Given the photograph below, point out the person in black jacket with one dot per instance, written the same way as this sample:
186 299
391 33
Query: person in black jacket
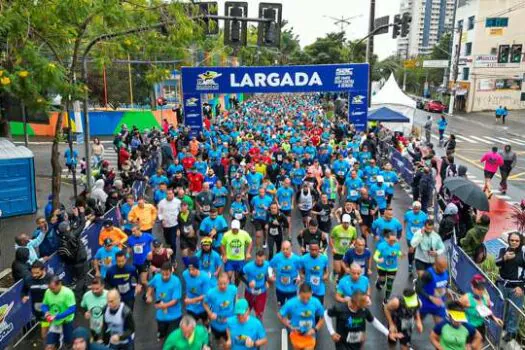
312 234
72 250
426 188
450 145
20 267
418 173
448 223
277 224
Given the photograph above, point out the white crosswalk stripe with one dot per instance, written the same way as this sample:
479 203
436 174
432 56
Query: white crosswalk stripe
518 140
494 139
480 139
466 139
511 141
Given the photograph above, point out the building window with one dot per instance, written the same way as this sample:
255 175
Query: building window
460 24
466 73
471 22
468 49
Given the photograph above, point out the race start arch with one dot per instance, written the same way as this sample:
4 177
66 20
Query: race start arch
351 78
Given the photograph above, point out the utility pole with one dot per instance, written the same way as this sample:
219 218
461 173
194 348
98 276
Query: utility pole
455 72
370 47
446 76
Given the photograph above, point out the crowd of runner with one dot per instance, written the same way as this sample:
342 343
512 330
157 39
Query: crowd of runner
224 202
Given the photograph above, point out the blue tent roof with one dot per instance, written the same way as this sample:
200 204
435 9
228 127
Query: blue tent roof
385 114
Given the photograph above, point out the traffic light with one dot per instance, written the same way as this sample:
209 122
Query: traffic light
269 33
211 26
235 31
161 101
503 54
405 24
516 52
396 29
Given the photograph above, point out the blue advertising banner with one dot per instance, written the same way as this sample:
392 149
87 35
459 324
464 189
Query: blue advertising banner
462 268
403 166
351 78
193 113
14 314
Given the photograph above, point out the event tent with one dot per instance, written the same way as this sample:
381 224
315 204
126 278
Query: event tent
387 115
392 97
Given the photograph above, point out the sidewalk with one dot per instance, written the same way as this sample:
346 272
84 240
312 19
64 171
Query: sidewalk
514 123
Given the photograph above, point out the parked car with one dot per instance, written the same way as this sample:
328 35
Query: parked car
434 106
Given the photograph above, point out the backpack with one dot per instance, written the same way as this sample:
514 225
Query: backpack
480 254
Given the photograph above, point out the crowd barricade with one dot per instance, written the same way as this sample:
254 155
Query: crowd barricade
512 307
403 166
16 319
462 268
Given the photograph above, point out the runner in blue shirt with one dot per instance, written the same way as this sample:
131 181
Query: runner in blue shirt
350 283
197 284
210 261
314 270
360 255
124 211
386 256
260 205
158 178
352 187
139 246
378 192
243 330
165 291
391 179
285 200
386 222
105 258
214 226
257 279
285 266
254 180
302 316
219 303
442 126
220 196
414 221
297 175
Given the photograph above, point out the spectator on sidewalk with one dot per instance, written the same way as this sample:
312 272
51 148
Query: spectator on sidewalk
428 129
504 115
511 281
426 189
509 162
475 236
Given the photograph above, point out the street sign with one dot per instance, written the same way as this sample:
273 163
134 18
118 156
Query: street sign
80 139
379 22
435 64
409 64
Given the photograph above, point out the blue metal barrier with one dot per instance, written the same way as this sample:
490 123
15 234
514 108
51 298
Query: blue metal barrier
403 166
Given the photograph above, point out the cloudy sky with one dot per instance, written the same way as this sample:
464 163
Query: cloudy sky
308 19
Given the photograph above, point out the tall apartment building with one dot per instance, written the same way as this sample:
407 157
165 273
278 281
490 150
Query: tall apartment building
484 83
430 19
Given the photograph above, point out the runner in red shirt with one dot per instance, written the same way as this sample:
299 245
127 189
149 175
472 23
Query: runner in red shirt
196 180
188 161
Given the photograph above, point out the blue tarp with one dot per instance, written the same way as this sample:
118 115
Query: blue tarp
385 114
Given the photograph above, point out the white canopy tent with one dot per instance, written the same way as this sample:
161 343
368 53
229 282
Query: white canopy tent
391 96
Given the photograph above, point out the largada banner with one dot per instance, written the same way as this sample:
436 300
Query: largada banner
351 78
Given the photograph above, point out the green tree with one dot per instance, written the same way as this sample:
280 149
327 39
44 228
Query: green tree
329 49
46 39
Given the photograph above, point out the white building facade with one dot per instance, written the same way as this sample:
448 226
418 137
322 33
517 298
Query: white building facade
488 26
430 20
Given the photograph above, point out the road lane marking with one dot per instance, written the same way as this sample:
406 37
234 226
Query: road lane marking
511 141
466 139
493 139
480 139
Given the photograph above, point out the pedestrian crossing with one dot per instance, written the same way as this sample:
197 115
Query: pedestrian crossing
487 140
109 154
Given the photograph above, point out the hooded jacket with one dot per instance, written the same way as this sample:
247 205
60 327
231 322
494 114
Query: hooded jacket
473 239
81 332
20 267
98 193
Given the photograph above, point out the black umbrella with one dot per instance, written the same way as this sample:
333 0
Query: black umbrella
468 192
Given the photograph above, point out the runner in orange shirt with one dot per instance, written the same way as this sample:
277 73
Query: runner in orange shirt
117 236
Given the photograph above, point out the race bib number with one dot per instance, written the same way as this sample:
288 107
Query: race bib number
390 260
483 311
440 292
380 193
354 337
325 218
315 280
284 204
340 173
256 291
187 229
274 231
285 280
253 187
124 288
138 249
305 324
238 216
407 325
353 193
57 329
96 324
205 208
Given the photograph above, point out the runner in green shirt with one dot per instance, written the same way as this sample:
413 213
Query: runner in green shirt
94 302
342 238
59 308
236 247
189 336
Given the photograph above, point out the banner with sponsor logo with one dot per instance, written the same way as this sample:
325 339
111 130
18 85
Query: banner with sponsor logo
351 78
